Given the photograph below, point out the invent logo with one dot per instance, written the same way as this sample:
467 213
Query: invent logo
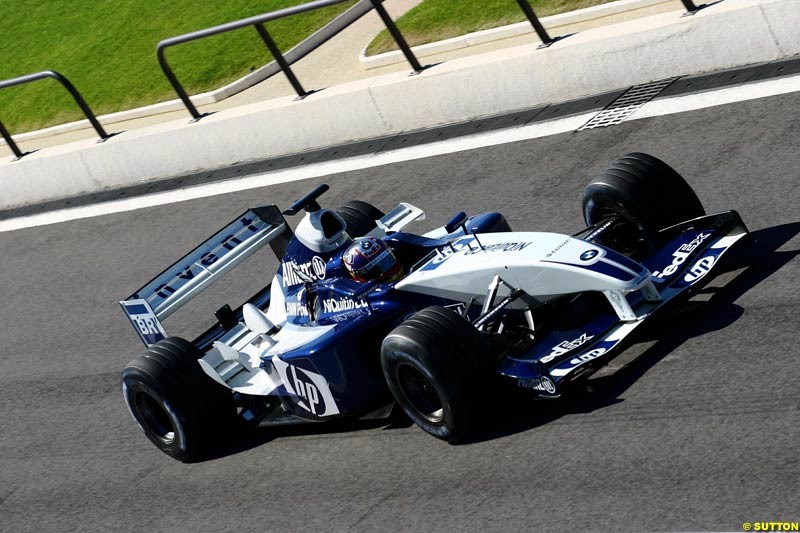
227 244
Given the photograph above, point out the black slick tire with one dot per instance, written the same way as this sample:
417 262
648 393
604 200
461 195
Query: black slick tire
645 193
360 217
437 366
180 409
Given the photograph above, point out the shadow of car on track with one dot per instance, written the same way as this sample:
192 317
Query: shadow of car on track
716 309
748 266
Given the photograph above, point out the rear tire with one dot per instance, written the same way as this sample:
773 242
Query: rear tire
360 217
646 195
437 366
180 409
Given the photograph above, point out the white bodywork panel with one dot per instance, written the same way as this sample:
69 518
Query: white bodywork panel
234 361
544 265
397 219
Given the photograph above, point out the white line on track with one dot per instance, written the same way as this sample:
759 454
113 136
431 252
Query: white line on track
666 106
728 95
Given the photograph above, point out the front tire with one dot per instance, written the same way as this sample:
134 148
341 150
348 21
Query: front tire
180 409
437 366
645 195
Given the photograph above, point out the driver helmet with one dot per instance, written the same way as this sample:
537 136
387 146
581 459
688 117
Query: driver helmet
369 258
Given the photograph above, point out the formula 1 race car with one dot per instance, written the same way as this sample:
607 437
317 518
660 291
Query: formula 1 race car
362 315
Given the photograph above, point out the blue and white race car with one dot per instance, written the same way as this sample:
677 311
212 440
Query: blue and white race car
363 315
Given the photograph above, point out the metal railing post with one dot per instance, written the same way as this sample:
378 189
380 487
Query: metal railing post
173 80
10 142
534 20
396 35
690 6
276 53
82 104
87 111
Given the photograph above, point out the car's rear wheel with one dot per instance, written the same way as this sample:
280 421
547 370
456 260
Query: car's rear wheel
436 365
643 195
180 409
360 217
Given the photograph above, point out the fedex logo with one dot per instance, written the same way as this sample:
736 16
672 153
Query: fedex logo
680 255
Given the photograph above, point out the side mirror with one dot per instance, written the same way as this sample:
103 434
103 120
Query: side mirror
307 202
456 222
255 320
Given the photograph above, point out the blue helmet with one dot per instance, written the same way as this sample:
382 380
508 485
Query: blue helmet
369 258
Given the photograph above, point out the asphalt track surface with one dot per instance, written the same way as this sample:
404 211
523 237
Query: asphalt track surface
697 427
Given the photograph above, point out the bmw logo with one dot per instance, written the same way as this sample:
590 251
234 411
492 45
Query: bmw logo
588 255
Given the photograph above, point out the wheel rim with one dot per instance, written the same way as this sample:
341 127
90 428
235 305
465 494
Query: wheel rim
420 393
154 417
628 236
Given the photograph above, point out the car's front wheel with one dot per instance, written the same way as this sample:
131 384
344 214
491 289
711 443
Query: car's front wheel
643 195
180 409
436 365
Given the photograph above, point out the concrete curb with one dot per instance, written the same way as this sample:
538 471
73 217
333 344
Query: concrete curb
590 62
512 30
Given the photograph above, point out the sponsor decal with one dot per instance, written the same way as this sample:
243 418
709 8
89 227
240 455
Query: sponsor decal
680 255
542 384
144 320
588 356
446 252
318 266
312 390
296 309
700 269
566 346
588 255
557 248
226 244
314 269
499 247
466 245
338 305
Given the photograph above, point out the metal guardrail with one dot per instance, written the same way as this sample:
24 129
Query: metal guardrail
258 22
87 112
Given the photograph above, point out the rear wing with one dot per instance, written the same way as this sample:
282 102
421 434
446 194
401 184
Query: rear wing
197 270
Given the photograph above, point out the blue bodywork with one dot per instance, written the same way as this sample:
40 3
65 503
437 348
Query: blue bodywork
348 356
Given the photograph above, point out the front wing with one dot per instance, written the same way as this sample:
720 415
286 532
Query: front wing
692 251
